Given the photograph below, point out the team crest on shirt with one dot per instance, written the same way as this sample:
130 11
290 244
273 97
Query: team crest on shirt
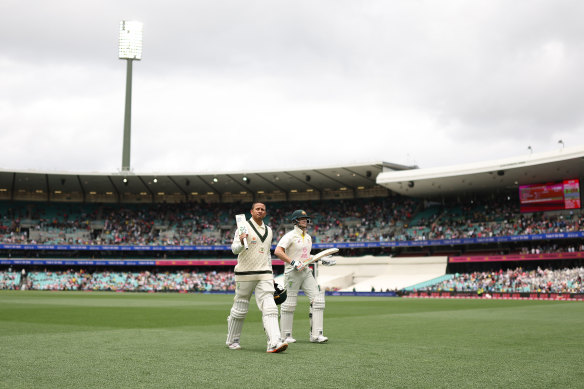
253 240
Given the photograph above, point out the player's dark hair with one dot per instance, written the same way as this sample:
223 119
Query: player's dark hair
257 202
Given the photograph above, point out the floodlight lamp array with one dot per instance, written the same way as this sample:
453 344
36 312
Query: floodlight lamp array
130 43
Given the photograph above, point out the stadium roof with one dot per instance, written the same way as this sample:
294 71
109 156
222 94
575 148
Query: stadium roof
334 178
496 175
503 174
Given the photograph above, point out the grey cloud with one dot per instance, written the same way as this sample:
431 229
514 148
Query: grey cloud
484 72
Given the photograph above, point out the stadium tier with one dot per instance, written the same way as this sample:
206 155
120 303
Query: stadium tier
379 222
138 247
518 280
133 228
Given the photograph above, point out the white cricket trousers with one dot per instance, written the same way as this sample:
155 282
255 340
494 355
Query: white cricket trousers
264 296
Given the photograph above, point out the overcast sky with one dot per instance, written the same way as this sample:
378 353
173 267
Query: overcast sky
231 85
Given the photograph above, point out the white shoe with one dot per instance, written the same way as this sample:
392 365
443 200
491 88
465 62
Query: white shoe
289 340
234 346
278 348
318 339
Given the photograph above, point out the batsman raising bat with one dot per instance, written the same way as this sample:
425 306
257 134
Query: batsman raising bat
294 249
253 272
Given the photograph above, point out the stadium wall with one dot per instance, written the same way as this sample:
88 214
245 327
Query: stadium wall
369 273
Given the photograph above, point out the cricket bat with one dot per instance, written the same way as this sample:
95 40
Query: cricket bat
242 226
322 254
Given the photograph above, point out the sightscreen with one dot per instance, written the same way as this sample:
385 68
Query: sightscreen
550 196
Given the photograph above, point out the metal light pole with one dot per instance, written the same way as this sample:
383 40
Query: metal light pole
130 49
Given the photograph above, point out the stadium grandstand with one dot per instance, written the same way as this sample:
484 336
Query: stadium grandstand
509 228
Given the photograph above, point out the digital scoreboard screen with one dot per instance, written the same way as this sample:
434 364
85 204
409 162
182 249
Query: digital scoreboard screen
550 197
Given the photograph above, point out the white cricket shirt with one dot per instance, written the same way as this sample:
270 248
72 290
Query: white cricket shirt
297 245
254 263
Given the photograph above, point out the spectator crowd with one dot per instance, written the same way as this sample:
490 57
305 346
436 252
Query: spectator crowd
358 220
567 280
142 281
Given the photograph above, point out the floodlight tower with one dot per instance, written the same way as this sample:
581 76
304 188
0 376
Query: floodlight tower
130 49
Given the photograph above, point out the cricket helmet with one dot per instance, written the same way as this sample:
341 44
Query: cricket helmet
298 214
280 294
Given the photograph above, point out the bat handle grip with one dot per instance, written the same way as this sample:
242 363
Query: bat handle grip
245 243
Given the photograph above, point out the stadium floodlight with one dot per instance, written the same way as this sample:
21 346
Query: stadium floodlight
130 40
130 49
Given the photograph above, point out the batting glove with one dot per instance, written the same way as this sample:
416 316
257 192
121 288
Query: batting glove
298 265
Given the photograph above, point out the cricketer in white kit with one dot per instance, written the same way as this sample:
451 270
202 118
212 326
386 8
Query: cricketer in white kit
294 249
253 272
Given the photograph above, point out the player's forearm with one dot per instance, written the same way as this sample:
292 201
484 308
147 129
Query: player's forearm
281 254
236 246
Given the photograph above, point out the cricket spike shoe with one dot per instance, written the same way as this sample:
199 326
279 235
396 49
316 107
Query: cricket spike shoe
289 340
234 346
278 348
318 339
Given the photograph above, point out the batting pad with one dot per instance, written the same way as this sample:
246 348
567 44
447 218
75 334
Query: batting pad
272 329
318 302
287 315
317 323
235 321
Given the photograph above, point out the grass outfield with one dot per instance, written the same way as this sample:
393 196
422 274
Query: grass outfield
114 340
